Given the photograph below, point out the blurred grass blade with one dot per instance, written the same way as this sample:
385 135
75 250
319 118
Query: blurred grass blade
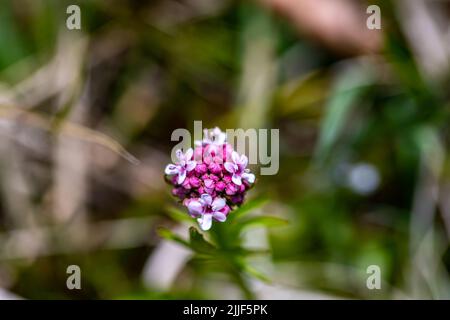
178 215
169 235
255 273
67 128
351 84
264 221
247 208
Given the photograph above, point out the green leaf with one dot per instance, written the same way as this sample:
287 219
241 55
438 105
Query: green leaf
251 252
255 273
169 235
178 215
247 208
198 242
267 221
304 95
350 86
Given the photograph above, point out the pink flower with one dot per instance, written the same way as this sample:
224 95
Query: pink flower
238 169
205 209
205 183
183 165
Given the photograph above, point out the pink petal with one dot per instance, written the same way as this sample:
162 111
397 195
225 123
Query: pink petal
219 216
179 155
209 183
218 204
206 198
235 157
190 165
195 208
188 155
181 176
230 167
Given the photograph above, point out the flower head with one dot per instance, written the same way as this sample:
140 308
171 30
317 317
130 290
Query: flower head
209 186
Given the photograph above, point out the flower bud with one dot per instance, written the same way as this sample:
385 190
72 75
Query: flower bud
230 189
194 182
237 199
214 168
201 168
209 184
220 186
186 184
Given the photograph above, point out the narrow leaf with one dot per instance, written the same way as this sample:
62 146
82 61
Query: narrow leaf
247 207
198 242
169 235
267 221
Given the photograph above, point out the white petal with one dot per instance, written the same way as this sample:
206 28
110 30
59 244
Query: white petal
206 198
223 137
219 216
195 208
181 176
179 155
236 179
235 157
243 161
218 204
205 222
190 165
219 136
188 154
230 167
206 139
250 177
171 169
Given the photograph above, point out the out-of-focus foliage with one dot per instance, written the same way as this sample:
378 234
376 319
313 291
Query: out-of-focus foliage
364 170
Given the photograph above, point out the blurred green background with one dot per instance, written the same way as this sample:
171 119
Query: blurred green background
364 173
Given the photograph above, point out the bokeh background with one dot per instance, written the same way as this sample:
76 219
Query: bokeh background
86 118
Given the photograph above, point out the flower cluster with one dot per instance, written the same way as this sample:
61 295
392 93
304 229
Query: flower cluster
211 179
